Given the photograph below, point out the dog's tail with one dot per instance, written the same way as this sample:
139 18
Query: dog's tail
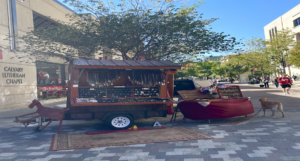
280 107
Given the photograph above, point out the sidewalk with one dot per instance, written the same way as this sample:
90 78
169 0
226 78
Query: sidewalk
255 139
24 110
297 84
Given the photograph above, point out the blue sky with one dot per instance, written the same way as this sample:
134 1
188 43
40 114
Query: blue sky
243 19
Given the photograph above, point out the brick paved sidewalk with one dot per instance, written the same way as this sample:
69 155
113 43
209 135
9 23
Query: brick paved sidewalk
266 139
260 138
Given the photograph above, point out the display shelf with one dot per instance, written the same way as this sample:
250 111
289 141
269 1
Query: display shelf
118 86
121 103
230 92
126 91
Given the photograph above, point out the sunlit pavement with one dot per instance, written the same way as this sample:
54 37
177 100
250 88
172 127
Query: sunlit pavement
258 138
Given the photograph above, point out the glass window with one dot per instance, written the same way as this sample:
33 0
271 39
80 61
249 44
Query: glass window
297 22
50 74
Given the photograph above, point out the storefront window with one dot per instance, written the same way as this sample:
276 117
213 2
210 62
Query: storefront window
50 74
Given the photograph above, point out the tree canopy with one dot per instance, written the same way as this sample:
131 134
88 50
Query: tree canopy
130 30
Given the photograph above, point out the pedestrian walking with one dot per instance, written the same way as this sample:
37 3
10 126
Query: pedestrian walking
294 77
285 82
276 82
258 79
266 82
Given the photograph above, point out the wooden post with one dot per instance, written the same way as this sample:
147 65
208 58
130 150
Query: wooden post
60 125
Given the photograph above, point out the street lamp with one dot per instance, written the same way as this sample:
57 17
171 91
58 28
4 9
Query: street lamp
272 59
251 71
229 71
282 63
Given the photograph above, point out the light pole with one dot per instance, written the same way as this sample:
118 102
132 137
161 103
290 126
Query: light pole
251 71
282 61
229 71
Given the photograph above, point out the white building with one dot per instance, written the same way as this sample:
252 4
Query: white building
289 20
213 58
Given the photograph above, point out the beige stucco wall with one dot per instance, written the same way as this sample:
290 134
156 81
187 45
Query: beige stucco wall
14 95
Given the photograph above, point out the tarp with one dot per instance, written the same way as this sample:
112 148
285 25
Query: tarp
201 83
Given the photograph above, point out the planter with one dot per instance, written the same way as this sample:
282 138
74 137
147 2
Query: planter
261 86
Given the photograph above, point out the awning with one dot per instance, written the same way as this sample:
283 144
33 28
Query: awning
127 64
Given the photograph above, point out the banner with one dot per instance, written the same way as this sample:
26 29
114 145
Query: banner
244 78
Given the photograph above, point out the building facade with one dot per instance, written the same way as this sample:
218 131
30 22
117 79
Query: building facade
215 58
18 77
289 20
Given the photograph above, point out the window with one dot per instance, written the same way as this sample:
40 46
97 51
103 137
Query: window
297 22
276 30
270 33
50 74
40 21
273 34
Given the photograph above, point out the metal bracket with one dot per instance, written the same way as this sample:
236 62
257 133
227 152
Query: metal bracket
77 81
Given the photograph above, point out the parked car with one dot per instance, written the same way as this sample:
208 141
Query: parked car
185 84
221 80
189 84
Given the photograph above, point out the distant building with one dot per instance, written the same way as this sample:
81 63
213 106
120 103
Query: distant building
214 58
289 20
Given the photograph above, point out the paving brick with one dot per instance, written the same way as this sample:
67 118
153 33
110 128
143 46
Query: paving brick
254 140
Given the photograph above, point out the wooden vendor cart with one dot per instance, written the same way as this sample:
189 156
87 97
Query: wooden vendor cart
119 91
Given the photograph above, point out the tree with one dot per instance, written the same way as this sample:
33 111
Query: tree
257 55
191 70
129 30
294 56
260 54
280 46
218 71
206 67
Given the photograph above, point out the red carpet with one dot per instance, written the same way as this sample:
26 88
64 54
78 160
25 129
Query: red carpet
125 130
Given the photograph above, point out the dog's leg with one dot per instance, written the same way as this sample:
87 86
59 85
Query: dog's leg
281 109
273 111
264 112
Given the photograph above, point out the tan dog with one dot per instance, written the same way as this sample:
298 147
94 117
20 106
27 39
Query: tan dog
273 105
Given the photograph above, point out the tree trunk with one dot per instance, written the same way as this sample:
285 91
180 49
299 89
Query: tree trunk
124 56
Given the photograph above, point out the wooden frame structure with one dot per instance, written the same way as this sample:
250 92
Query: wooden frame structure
79 70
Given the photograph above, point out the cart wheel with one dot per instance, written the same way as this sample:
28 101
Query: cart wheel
120 121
